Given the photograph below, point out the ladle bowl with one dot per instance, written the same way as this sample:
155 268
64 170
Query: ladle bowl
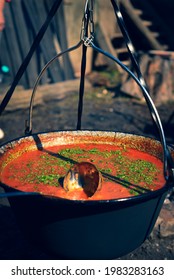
79 229
85 176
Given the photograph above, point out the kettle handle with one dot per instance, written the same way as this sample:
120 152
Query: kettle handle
88 42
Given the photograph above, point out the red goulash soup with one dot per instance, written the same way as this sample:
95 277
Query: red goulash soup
126 172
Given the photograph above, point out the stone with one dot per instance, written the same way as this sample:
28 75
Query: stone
165 222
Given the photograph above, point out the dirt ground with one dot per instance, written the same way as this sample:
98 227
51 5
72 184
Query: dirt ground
56 109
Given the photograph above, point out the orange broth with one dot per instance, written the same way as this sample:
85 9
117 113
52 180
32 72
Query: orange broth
126 172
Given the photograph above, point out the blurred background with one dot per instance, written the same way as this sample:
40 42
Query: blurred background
150 25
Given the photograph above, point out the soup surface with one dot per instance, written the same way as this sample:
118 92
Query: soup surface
126 172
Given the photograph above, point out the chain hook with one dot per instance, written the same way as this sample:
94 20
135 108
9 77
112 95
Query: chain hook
88 23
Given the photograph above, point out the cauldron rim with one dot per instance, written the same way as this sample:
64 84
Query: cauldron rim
124 201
